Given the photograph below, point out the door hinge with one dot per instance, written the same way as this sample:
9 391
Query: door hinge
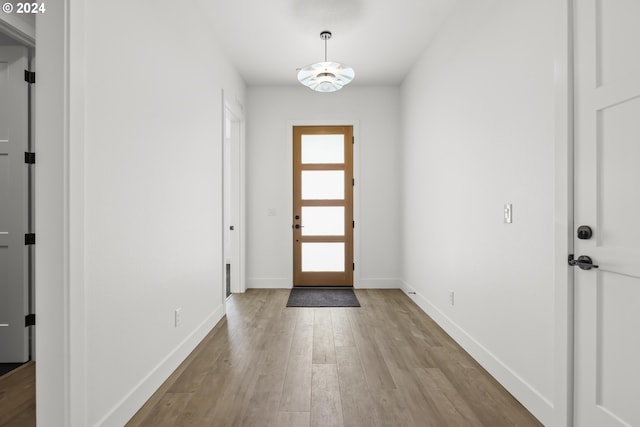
30 158
29 76
30 239
353 224
29 320
353 182
353 139
354 266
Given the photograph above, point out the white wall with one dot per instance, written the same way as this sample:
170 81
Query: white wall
148 205
271 113
478 121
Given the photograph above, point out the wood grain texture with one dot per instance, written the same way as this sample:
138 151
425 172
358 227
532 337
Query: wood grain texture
326 405
383 364
323 345
293 419
18 397
296 392
358 406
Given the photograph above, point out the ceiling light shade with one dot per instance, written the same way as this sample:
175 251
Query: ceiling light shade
326 76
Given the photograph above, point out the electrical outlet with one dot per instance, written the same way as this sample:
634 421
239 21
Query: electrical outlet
451 298
177 317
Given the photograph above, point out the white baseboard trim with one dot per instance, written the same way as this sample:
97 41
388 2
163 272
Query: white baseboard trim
137 397
378 284
535 402
269 283
285 283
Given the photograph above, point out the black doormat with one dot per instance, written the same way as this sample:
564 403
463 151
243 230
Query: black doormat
322 297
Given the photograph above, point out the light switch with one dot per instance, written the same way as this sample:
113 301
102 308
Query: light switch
508 213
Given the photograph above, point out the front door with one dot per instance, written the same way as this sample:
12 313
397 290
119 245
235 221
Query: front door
14 205
607 200
323 206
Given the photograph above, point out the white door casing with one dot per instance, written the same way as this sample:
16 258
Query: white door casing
232 190
607 199
14 205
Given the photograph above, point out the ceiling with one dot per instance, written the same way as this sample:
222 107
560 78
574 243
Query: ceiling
267 40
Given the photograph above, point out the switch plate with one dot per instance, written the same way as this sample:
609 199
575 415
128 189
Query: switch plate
508 213
177 317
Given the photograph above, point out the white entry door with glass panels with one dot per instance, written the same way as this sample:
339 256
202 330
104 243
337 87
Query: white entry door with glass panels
323 206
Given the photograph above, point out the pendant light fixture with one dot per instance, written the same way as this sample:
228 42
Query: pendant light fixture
326 76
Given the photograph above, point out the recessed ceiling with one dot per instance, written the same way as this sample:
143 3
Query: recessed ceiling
268 40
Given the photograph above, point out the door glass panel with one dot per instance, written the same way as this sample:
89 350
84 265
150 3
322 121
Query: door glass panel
323 257
323 220
322 185
322 149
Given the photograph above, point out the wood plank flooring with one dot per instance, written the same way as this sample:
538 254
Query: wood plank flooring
18 397
383 364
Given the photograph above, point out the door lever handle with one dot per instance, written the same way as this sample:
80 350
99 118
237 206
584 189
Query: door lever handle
584 262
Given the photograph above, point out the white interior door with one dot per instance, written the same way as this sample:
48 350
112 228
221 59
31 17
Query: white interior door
14 205
607 191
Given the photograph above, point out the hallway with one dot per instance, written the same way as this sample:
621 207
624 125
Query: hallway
384 364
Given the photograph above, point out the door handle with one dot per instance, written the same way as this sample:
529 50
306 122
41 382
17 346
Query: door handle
584 232
584 262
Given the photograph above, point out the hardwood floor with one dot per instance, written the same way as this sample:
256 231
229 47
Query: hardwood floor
18 397
383 364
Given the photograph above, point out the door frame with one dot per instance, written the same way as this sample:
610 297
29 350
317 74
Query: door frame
563 358
59 118
237 116
328 278
356 188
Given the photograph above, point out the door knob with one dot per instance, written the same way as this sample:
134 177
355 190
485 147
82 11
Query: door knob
584 232
298 226
583 261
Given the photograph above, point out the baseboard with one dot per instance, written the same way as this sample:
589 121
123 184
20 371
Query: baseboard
378 284
269 283
536 403
285 283
136 398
